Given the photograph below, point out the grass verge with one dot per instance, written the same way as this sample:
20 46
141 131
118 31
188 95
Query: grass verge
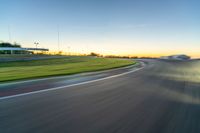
20 70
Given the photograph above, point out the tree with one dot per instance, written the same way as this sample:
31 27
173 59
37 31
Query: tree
93 54
7 44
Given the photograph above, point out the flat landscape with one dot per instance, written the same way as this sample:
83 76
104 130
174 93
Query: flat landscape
161 97
100 66
29 69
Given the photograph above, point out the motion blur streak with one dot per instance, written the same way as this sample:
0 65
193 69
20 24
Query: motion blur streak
164 97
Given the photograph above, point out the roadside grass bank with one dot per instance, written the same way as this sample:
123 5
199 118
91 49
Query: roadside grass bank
26 57
21 70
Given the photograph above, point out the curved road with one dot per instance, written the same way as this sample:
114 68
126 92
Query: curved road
163 97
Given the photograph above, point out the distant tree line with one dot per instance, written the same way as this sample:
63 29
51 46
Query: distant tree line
110 56
118 56
7 44
94 54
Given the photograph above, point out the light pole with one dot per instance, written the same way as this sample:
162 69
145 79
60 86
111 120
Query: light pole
58 38
9 34
36 44
68 49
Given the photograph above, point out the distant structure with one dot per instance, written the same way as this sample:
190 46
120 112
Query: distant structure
8 48
176 57
19 50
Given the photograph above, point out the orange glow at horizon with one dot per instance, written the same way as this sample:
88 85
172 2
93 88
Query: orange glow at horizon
156 55
139 49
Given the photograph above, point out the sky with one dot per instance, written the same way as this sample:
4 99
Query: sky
120 27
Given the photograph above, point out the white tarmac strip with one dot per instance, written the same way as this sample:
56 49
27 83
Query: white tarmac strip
66 86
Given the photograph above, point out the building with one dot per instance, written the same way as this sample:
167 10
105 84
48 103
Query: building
176 57
19 50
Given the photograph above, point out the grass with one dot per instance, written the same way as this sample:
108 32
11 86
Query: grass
20 70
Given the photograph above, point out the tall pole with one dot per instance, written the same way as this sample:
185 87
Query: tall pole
68 50
9 34
36 44
58 38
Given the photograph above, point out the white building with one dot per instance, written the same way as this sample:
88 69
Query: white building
12 50
176 57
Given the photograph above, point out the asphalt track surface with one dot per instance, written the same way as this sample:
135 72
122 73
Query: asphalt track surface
163 97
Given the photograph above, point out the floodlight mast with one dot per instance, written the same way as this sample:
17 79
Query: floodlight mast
9 34
58 38
36 44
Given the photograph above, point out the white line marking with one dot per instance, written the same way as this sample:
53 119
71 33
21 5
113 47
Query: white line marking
66 86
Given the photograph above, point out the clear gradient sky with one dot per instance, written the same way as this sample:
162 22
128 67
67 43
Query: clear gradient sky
125 27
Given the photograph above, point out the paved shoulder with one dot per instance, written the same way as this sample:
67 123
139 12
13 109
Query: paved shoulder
52 83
